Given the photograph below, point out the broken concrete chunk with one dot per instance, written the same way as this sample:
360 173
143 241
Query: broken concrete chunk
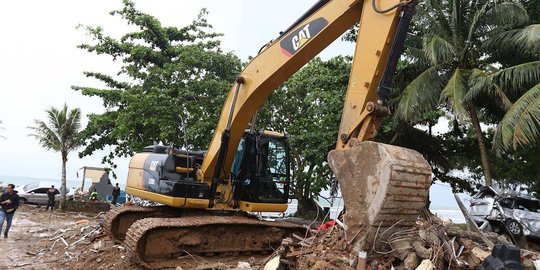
480 253
476 256
101 245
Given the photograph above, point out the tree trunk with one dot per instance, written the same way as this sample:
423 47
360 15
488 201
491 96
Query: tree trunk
306 207
481 145
63 187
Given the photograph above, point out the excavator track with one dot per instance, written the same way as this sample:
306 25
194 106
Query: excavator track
158 239
119 219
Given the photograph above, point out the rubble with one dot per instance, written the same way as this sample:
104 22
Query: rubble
431 244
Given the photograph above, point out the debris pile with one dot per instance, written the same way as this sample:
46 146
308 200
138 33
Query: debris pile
65 240
431 244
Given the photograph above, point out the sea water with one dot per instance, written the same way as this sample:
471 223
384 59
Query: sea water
21 181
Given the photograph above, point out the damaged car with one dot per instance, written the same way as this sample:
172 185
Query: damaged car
510 212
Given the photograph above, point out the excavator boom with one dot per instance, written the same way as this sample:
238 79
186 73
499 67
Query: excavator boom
284 56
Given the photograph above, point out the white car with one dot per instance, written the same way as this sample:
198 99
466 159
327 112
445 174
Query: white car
512 212
36 193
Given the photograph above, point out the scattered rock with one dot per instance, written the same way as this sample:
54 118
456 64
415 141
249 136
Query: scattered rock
426 265
421 250
82 221
120 247
214 266
320 265
476 256
243 265
273 264
412 261
401 248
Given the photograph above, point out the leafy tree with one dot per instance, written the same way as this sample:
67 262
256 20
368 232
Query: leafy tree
308 106
456 67
520 127
170 88
514 169
60 133
533 8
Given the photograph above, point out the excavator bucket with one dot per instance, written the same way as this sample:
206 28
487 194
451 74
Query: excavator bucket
384 188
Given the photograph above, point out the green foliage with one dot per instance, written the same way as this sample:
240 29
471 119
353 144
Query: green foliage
520 126
518 168
454 93
460 72
446 153
308 106
420 96
60 132
515 46
170 88
452 47
533 9
510 169
463 52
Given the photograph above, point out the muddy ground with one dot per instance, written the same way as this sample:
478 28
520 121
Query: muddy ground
36 241
70 240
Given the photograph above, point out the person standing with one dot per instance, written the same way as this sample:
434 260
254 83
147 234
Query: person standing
115 194
51 193
9 201
93 195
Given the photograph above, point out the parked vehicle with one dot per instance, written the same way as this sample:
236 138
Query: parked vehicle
511 212
36 193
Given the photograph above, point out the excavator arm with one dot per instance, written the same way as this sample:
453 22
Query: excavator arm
383 25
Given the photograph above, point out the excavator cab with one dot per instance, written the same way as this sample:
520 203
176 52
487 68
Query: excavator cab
261 168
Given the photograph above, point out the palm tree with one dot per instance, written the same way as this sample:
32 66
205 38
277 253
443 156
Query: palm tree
60 133
448 35
520 126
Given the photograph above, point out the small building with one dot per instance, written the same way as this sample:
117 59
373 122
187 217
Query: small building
98 178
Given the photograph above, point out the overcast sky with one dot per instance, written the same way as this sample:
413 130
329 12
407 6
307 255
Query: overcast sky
40 62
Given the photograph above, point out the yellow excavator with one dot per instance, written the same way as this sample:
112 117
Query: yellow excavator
208 194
